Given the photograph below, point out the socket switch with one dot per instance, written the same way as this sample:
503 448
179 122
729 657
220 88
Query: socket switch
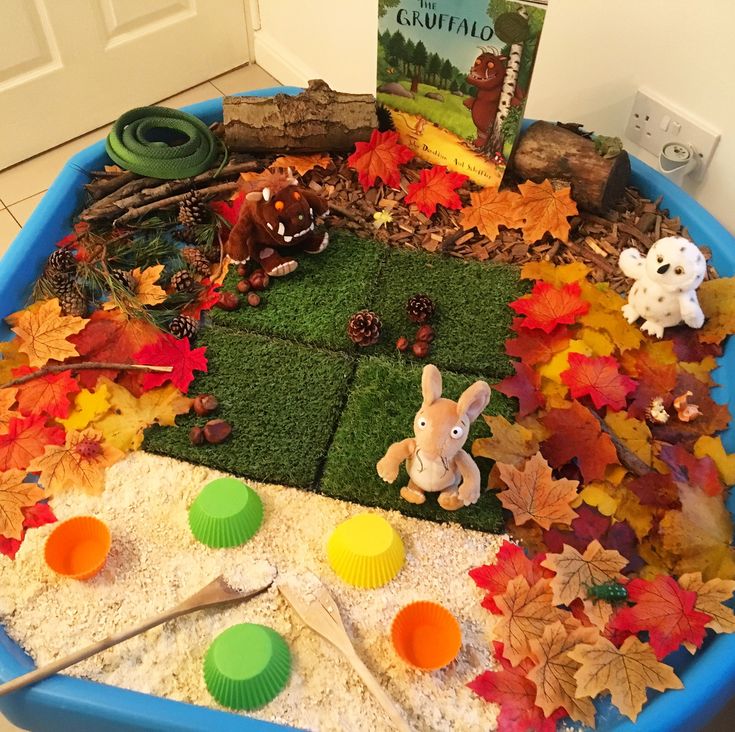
654 123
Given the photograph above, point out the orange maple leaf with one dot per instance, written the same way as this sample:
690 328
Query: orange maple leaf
79 463
625 672
545 209
7 400
379 158
24 439
534 495
599 379
14 496
43 332
554 672
49 394
548 306
576 572
435 186
302 163
489 209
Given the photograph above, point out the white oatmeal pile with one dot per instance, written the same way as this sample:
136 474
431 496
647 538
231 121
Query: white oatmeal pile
155 563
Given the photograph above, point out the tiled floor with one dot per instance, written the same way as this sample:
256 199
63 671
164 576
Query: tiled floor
22 186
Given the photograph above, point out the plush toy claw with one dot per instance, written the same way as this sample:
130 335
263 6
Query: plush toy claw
666 281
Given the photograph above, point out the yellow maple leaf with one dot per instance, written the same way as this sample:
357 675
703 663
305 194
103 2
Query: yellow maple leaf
624 335
7 400
597 495
15 495
619 502
559 362
510 443
554 672
79 463
490 209
534 495
302 163
598 342
717 300
713 447
701 369
43 332
710 598
576 573
545 209
88 406
525 611
633 433
625 672
557 275
146 289
11 359
124 425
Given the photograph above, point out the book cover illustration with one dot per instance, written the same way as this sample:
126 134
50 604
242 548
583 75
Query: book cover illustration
454 75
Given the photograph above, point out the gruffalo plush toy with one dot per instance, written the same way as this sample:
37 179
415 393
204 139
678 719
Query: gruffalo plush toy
274 222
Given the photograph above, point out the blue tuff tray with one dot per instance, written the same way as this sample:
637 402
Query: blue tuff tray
62 702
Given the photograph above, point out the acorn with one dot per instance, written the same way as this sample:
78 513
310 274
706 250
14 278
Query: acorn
242 270
425 333
402 344
216 431
205 404
228 301
196 436
420 349
253 299
243 286
259 280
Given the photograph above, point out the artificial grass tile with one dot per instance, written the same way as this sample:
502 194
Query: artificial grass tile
383 400
472 316
313 304
282 400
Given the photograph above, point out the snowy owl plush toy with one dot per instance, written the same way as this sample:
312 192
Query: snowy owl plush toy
665 286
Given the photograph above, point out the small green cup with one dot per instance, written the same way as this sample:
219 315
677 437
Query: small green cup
247 666
226 513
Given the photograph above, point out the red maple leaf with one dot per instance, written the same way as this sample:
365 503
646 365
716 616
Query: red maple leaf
548 306
576 435
37 515
648 370
176 352
25 439
697 472
9 547
665 611
207 299
534 346
49 394
379 158
510 561
599 379
435 186
229 210
525 387
516 696
656 489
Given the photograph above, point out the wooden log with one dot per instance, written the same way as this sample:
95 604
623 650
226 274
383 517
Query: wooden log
549 151
317 120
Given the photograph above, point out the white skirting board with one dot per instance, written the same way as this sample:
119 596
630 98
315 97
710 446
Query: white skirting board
275 58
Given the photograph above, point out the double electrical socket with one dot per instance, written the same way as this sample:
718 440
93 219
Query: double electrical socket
654 123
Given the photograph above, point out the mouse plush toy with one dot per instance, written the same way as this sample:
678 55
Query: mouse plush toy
666 281
274 222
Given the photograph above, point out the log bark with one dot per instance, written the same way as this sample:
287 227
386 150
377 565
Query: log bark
549 151
317 120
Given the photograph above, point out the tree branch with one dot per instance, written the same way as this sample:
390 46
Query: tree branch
84 366
627 457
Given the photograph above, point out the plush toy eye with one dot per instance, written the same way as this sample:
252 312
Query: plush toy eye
457 431
279 205
421 423
301 217
679 270
296 196
659 259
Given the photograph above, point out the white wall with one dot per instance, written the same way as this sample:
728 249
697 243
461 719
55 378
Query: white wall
594 55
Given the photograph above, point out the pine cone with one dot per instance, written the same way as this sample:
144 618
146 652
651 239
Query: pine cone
72 303
182 281
58 280
182 326
62 260
196 260
192 209
420 308
63 286
187 234
364 328
126 279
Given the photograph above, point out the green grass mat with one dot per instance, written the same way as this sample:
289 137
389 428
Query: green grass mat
472 316
380 409
282 399
314 303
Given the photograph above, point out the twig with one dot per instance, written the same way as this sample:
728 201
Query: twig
343 212
84 366
135 213
589 254
627 457
101 188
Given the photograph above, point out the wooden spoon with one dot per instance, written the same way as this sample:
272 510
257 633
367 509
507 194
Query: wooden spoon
217 592
322 615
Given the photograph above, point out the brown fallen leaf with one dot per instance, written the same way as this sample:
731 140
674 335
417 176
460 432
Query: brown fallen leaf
490 209
302 163
545 210
14 496
511 444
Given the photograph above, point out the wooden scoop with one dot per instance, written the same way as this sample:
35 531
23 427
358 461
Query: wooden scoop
217 592
322 615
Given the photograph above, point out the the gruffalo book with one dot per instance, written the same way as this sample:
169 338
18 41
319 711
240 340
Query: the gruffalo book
454 74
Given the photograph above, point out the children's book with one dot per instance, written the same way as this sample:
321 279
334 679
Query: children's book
453 75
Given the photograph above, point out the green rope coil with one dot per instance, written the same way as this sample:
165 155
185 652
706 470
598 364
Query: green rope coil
132 146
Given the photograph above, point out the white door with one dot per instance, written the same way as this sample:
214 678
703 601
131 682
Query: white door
70 66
